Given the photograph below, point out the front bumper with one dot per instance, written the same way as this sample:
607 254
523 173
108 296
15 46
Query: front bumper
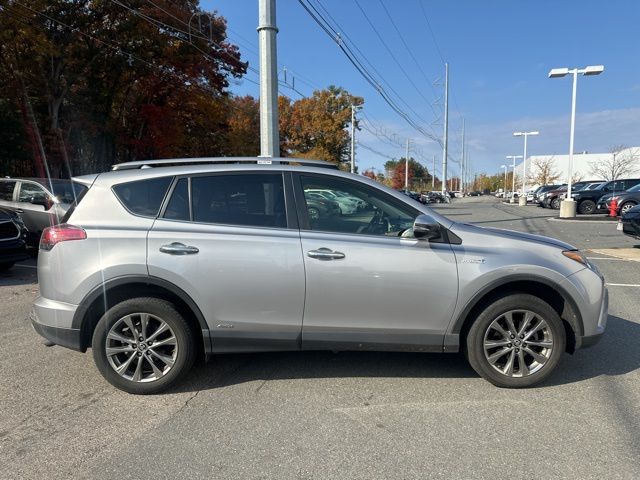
53 320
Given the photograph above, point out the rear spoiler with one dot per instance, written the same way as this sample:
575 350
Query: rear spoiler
86 180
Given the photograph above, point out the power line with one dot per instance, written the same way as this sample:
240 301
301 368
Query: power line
335 36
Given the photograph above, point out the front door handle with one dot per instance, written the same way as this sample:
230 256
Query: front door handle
325 254
177 248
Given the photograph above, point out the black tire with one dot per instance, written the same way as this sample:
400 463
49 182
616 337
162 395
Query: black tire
586 207
184 340
6 266
314 213
475 339
555 203
626 206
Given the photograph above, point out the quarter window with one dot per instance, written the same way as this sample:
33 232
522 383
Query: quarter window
144 196
255 200
340 206
178 206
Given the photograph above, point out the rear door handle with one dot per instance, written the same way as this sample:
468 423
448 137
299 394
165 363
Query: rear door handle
177 248
325 254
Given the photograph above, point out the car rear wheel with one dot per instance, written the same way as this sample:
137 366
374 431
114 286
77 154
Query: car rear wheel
143 345
587 207
625 207
516 342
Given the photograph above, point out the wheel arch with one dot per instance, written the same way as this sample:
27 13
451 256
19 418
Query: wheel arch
113 291
552 293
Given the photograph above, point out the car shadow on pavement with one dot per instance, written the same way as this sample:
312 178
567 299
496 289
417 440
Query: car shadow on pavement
617 353
231 369
18 275
613 355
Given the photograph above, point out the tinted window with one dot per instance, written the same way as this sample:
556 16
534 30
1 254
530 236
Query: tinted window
143 197
67 192
29 191
630 183
178 206
247 199
348 207
6 190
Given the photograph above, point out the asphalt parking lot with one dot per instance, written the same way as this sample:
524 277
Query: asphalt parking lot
318 415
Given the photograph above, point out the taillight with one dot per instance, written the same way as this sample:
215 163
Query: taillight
60 233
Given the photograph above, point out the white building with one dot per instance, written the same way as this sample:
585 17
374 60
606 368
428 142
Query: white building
584 165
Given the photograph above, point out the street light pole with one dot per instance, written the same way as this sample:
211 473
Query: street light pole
504 185
522 201
433 174
568 205
513 178
445 143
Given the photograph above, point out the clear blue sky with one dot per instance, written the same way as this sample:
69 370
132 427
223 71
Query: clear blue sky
499 52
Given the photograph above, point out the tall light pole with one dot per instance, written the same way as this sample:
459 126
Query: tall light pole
513 178
568 205
354 108
433 174
504 190
523 198
406 168
267 30
445 143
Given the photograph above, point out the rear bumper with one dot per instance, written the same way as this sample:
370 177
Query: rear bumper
65 337
53 320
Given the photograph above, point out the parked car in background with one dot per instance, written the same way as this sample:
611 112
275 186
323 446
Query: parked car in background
432 197
13 239
347 205
631 222
587 200
625 200
41 203
321 207
159 264
539 194
552 198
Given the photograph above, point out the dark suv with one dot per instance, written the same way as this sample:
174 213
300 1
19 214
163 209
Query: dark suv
12 239
587 200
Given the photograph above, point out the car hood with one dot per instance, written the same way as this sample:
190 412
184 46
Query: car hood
512 234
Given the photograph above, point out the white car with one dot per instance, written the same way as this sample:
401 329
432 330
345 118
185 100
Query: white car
347 204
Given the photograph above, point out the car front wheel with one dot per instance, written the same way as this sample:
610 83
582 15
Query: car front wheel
516 342
143 345
587 207
625 207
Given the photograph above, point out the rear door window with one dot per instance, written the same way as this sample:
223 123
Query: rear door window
6 190
143 197
246 199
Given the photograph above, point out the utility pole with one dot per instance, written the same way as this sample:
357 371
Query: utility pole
267 30
433 174
406 168
462 155
445 149
353 138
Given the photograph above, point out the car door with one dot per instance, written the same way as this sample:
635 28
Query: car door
228 241
369 283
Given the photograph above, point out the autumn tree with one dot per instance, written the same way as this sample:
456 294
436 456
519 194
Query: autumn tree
418 175
369 173
101 82
316 127
543 171
622 162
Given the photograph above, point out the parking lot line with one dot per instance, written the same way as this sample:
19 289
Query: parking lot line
610 258
622 284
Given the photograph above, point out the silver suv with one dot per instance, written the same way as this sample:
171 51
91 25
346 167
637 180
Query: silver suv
164 261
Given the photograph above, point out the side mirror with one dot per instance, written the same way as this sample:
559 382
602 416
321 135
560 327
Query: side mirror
42 200
425 227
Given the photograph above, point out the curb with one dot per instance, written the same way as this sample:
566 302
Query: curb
605 220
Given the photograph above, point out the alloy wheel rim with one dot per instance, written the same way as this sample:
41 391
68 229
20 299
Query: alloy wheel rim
625 208
141 347
518 343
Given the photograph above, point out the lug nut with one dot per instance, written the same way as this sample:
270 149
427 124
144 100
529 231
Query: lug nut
524 344
140 339
139 354
509 345
513 336
517 350
522 335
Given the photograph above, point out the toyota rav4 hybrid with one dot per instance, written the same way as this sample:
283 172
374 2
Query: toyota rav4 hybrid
157 266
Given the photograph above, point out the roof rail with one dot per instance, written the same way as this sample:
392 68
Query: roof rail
173 162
